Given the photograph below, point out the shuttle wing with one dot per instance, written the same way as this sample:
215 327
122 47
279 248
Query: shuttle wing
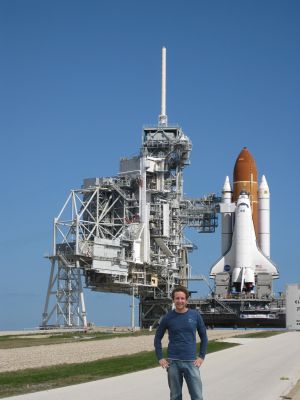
259 262
223 264
264 264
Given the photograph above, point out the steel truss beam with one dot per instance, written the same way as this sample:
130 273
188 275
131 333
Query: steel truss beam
65 285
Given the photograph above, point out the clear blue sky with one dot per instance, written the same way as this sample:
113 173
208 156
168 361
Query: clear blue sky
79 79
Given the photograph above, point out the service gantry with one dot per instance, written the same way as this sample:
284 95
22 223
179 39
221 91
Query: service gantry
125 234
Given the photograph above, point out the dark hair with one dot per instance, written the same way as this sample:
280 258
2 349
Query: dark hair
180 289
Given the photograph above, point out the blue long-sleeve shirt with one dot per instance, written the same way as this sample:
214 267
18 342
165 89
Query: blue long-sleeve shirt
182 329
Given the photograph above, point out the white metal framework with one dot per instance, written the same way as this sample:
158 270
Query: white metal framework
65 286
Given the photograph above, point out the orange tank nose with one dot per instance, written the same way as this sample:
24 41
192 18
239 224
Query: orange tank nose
245 179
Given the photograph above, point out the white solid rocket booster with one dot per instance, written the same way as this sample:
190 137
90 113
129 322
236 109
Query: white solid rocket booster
226 217
264 217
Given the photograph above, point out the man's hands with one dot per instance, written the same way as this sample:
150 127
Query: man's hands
164 363
198 362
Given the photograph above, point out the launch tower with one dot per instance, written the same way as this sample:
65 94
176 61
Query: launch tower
125 234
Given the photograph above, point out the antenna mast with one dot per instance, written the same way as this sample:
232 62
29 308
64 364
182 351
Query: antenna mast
163 118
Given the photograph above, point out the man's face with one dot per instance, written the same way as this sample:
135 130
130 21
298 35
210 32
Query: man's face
180 301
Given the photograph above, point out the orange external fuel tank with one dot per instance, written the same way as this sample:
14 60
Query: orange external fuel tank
245 179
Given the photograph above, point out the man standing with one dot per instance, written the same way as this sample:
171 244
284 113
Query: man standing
182 362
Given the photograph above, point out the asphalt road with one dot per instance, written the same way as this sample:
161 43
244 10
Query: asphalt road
258 369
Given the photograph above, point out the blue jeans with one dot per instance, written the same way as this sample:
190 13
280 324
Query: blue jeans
184 369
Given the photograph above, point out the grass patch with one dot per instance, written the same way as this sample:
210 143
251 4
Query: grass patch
259 335
36 379
15 341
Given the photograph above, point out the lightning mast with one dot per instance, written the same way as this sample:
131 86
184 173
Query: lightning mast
163 118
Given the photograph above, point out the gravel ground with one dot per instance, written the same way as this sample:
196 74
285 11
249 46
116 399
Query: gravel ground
40 356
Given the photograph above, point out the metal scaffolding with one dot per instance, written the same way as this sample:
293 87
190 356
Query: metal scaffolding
127 230
65 286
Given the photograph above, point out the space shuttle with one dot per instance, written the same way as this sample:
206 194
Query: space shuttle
245 229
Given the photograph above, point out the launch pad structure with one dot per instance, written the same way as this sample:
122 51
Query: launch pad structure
125 234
